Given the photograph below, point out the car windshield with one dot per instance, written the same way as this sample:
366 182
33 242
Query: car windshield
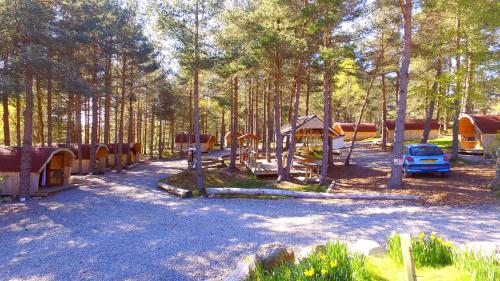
425 151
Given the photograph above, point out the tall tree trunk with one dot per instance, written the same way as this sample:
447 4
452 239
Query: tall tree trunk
18 119
78 124
234 123
396 179
95 106
39 100
199 175
6 127
365 103
222 129
130 134
436 89
5 104
308 90
172 132
70 126
277 112
152 132
295 113
458 90
122 110
327 109
384 113
160 140
25 167
107 99
269 125
49 108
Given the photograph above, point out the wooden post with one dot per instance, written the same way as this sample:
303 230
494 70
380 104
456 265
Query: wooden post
411 274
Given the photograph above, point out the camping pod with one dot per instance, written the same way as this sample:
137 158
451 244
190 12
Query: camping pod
478 132
365 130
50 166
113 150
414 129
135 152
228 138
184 141
100 163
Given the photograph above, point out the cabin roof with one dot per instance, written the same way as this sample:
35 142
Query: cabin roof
487 124
413 124
11 157
363 127
85 148
309 122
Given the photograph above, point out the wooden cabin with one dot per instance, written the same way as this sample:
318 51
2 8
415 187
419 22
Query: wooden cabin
414 129
312 127
365 131
101 155
228 138
113 150
478 132
50 166
184 141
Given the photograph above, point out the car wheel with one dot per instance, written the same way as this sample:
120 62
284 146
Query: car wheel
445 174
406 173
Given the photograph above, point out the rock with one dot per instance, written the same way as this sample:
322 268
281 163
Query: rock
307 251
243 270
274 254
367 247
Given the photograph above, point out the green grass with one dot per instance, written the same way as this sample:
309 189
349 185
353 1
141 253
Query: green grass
428 250
384 268
443 142
478 266
220 178
334 262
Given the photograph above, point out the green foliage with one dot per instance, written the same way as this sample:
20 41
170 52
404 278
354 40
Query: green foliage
427 250
477 265
334 262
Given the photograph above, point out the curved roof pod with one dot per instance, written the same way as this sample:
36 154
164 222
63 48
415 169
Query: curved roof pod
349 127
135 147
101 149
228 138
413 124
40 157
113 147
478 132
190 138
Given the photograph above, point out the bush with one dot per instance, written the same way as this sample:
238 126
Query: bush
427 250
331 263
477 265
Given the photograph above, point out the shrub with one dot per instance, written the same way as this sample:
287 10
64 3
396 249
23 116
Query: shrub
331 263
479 266
427 250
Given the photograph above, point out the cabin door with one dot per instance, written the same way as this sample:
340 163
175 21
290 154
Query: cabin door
56 170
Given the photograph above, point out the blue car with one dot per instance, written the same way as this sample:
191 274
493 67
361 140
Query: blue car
425 158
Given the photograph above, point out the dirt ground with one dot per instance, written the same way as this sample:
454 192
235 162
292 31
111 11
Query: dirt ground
369 171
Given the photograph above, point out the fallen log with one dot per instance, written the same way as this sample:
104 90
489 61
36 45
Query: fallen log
303 194
183 193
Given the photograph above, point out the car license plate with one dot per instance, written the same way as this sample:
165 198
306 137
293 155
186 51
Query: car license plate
428 160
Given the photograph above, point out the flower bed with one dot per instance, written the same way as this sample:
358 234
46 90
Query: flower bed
435 259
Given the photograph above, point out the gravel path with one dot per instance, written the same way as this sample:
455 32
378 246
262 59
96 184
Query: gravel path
120 226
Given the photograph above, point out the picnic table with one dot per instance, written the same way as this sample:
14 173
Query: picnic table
310 167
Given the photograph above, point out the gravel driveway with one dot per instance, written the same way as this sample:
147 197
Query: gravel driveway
119 226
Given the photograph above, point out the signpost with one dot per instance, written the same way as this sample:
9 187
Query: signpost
411 274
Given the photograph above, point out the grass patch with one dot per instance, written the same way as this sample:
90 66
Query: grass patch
443 142
220 178
334 262
477 265
427 250
384 268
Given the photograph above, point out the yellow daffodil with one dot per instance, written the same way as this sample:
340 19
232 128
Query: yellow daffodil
432 237
440 240
324 271
421 236
309 272
323 257
333 264
448 243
